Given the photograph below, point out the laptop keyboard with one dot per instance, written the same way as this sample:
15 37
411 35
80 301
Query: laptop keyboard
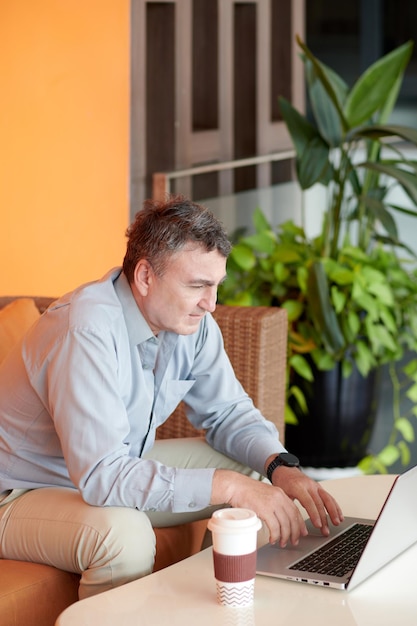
340 555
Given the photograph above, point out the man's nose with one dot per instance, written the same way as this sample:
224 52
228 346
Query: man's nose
209 301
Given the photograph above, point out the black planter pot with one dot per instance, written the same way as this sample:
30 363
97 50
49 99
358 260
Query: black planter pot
341 415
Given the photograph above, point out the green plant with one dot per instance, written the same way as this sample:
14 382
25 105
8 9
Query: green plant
350 292
327 148
372 297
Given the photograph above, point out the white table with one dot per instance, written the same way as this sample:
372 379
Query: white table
184 594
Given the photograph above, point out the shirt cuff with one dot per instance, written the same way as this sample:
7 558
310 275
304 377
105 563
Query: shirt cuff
192 489
260 455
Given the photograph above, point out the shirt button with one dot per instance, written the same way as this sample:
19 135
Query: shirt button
192 505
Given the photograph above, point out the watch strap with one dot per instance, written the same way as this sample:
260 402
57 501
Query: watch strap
273 466
285 458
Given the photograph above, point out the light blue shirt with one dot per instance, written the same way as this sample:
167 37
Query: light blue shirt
82 396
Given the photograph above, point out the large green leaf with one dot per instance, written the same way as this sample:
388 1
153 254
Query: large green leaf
339 89
364 300
294 309
380 338
387 108
407 180
383 293
338 299
378 131
412 393
403 209
332 83
379 212
313 165
388 455
363 358
405 428
287 254
405 453
322 310
263 242
243 256
259 221
312 151
301 366
325 111
301 130
374 86
338 272
354 181
394 242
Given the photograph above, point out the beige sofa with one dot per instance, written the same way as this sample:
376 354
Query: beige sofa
256 341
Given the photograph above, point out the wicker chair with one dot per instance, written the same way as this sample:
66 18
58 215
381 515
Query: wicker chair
256 341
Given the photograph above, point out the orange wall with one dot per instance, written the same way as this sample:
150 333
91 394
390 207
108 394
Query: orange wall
64 142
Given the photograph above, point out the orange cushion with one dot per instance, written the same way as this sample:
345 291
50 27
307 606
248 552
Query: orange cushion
33 594
15 319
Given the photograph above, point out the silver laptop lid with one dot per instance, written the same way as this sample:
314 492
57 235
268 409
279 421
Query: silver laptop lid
394 531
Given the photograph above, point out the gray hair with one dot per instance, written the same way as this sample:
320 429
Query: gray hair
162 228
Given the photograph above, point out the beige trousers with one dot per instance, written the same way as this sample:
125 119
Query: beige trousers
108 546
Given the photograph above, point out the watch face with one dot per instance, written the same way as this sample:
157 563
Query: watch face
289 459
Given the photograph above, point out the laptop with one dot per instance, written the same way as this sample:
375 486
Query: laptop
355 549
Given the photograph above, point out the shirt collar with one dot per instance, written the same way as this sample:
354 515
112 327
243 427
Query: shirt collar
137 327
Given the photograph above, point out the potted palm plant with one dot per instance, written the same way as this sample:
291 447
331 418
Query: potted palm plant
351 291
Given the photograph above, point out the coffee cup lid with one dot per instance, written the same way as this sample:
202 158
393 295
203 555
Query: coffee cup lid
232 520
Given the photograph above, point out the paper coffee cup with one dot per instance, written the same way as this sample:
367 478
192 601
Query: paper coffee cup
234 555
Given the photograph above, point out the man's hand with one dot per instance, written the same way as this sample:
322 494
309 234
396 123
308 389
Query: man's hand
270 503
274 504
318 503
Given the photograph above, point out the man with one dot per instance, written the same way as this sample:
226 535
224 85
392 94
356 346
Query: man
81 477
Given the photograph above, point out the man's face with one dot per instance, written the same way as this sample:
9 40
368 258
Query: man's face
178 300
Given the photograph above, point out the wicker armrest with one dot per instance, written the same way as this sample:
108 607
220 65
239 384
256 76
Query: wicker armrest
255 339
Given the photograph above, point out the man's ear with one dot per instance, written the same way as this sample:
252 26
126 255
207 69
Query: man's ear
142 276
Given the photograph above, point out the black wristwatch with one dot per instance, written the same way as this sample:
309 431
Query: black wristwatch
285 458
